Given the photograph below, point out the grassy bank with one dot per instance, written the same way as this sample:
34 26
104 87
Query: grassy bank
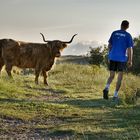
71 107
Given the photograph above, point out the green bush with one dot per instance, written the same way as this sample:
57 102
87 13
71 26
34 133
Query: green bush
130 89
98 56
136 56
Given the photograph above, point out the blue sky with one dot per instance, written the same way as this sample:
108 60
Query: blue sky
93 20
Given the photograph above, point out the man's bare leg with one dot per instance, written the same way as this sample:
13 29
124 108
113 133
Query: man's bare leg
109 81
118 84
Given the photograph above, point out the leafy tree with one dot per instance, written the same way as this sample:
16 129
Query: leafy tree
136 56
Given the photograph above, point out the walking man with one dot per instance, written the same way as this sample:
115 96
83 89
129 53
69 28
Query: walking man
120 56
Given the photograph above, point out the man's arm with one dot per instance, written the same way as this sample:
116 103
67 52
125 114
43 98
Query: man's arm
109 47
130 56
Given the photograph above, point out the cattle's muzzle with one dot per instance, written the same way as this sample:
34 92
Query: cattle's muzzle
58 55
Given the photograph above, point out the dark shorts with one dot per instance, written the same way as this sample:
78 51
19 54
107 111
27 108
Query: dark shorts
117 66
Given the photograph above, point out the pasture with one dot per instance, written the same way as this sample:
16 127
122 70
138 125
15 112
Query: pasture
70 108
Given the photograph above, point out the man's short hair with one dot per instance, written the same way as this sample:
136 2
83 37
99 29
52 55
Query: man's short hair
125 24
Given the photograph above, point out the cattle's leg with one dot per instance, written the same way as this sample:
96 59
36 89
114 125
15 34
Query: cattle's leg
1 64
37 72
8 68
45 77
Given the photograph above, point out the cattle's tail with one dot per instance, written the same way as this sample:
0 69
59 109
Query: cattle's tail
1 59
2 43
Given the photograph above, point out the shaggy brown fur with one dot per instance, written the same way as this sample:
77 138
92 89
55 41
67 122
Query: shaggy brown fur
39 56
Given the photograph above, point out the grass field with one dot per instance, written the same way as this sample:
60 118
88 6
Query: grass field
70 108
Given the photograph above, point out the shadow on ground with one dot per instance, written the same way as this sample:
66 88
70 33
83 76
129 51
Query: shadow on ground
90 103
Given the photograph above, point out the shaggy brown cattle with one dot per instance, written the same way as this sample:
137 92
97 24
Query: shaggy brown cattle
39 56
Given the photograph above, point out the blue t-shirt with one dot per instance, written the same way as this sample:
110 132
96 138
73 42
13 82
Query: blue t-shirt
120 40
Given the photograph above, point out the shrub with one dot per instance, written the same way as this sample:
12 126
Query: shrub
136 56
98 56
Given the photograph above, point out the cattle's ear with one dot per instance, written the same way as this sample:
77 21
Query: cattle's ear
64 45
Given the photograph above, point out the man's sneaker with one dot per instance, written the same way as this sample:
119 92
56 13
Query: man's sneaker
116 100
105 94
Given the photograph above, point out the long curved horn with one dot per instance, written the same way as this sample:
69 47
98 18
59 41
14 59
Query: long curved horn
44 38
70 40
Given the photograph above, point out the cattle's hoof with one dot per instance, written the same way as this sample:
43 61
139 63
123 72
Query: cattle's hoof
46 84
10 78
36 83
